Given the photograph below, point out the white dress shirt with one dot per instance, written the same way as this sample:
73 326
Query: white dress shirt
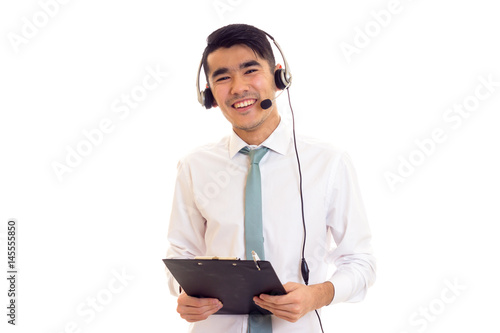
208 218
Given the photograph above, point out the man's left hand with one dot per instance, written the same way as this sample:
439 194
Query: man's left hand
299 300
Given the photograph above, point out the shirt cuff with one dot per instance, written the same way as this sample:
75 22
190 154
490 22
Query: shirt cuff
342 284
177 288
174 286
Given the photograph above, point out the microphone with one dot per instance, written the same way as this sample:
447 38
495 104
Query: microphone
266 104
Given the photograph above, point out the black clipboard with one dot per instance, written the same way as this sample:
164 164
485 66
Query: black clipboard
233 282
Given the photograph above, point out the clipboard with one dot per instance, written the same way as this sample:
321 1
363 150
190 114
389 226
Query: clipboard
233 282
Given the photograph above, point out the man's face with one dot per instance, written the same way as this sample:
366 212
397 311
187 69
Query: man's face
239 81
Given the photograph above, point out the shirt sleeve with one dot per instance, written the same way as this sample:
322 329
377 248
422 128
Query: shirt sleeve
347 222
187 225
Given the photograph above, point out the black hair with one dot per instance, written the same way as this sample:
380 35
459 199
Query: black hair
235 34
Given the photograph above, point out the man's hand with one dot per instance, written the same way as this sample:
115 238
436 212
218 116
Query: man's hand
195 309
299 300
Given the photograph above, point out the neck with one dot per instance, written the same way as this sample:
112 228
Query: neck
259 134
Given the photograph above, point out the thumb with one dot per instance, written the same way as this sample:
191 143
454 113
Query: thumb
291 286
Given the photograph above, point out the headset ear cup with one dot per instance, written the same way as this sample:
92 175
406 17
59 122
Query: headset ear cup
208 98
279 79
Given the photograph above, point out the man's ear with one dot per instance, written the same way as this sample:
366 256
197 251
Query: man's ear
212 97
209 97
214 102
276 68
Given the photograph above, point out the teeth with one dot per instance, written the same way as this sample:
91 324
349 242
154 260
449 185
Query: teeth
243 104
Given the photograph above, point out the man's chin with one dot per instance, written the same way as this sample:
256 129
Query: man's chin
248 127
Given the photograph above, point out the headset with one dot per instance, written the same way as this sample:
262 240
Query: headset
283 80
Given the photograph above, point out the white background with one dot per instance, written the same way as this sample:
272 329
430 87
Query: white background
110 214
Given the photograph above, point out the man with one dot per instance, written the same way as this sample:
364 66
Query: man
208 214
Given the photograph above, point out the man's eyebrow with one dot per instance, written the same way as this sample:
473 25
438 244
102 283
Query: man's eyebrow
219 71
250 63
224 70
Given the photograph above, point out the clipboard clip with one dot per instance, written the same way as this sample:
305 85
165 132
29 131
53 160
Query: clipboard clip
256 258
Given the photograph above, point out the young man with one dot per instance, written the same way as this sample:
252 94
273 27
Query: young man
208 213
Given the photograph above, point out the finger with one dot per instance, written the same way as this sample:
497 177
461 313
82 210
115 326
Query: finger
273 306
193 314
264 305
288 316
283 299
288 312
197 309
291 286
277 300
187 300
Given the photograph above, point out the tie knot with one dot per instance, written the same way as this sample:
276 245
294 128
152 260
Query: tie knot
255 154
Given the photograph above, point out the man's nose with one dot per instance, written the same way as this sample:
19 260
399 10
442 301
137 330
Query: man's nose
239 85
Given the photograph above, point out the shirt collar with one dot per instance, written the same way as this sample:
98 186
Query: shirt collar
279 140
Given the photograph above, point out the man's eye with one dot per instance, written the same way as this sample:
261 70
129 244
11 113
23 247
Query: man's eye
250 71
223 78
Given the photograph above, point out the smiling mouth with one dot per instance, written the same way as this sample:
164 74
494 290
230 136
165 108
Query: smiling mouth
244 103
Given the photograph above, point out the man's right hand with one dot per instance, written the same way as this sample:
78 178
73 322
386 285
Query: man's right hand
195 309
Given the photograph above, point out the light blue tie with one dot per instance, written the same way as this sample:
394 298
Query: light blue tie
254 239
